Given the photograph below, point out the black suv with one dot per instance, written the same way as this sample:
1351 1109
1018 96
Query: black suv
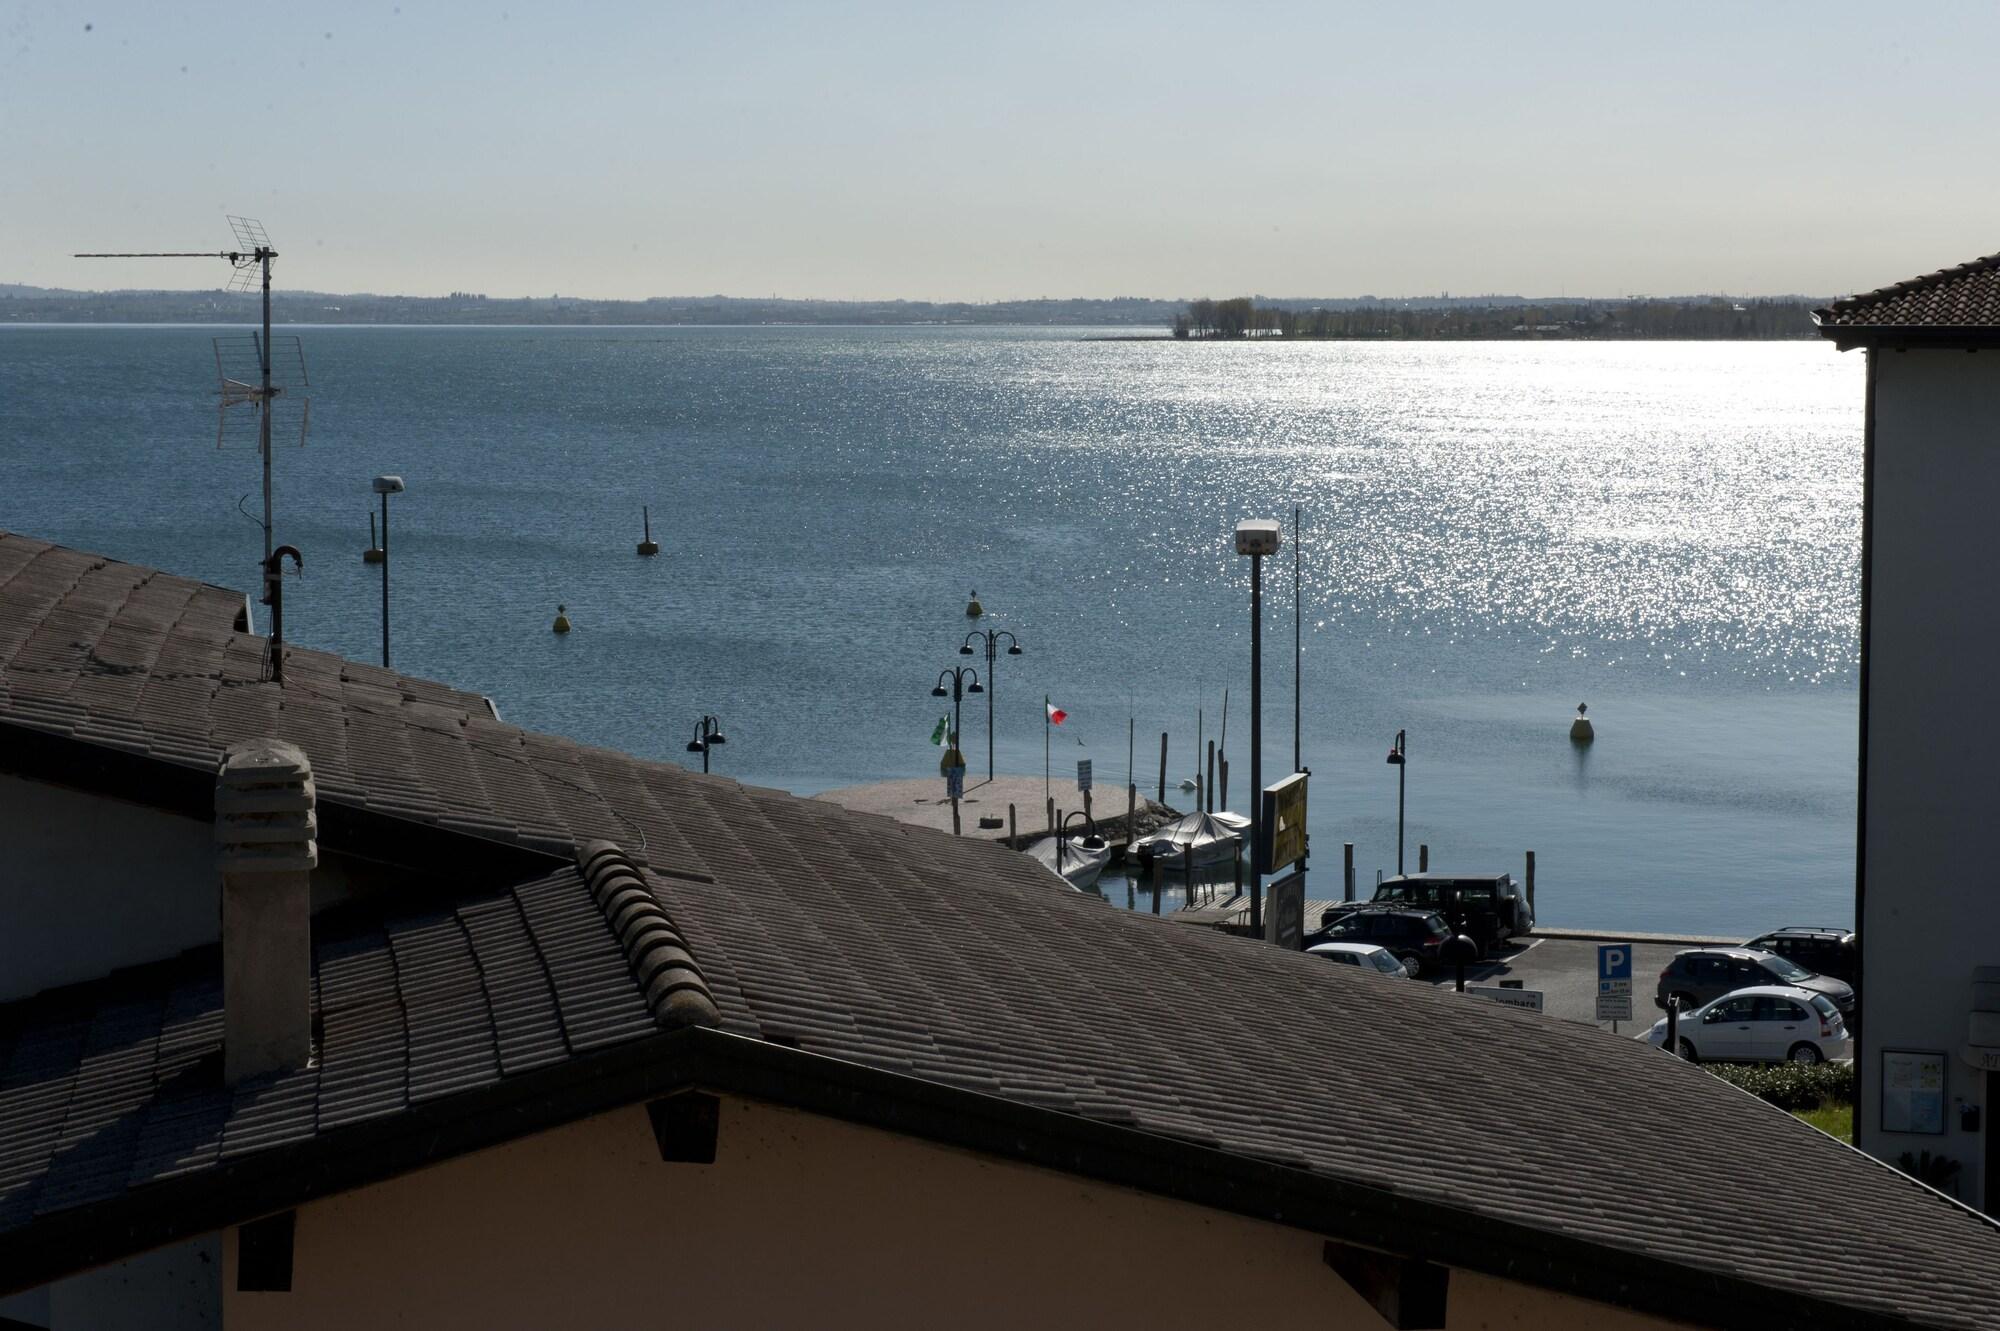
1828 951
1488 908
1413 935
1705 974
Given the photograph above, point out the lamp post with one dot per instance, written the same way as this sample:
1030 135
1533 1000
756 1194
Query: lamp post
707 732
1089 841
959 688
386 486
1257 537
991 637
1400 761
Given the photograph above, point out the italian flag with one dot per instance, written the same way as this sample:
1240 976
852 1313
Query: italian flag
1056 714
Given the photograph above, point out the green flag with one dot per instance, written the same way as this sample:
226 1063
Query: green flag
943 728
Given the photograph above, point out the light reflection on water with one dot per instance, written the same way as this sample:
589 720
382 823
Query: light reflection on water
1494 532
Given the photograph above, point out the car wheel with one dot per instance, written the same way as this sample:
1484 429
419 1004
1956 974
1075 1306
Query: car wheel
1805 1053
1687 1051
1413 962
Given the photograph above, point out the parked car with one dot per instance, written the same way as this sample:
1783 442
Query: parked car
1413 936
1827 951
1488 908
1769 1023
1702 975
1368 956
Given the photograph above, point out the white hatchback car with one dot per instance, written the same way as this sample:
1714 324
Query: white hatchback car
1365 955
1771 1023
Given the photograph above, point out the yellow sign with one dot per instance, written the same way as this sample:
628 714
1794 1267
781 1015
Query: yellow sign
1285 823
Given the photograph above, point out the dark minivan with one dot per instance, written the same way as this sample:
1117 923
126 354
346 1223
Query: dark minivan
1827 950
1488 908
1414 936
1705 974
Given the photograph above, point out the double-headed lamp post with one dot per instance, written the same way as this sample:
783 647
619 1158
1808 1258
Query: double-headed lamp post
1399 760
707 732
386 486
992 639
958 675
1257 538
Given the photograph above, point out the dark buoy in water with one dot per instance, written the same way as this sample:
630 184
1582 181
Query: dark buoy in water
562 619
649 546
973 609
373 554
1580 730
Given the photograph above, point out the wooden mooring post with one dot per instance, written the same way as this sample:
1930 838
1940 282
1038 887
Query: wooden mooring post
1163 767
1208 789
1131 813
1423 857
1347 871
954 816
1159 881
1013 834
1531 882
1052 815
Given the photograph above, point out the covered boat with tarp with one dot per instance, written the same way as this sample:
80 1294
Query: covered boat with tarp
1214 837
1077 860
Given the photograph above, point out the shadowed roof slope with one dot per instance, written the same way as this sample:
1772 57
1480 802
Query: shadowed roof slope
1954 306
951 963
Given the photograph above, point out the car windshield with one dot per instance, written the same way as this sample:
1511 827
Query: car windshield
1406 892
1786 970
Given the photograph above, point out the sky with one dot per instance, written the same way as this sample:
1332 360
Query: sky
981 151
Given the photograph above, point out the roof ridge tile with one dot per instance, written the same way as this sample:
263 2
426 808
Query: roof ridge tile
677 993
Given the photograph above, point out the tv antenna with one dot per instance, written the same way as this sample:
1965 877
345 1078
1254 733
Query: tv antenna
244 363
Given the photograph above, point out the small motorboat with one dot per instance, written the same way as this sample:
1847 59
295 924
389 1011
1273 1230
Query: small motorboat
1214 837
1076 860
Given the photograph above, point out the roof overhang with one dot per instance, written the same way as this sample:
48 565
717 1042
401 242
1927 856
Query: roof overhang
1846 337
696 1058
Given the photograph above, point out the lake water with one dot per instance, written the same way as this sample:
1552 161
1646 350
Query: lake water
1492 534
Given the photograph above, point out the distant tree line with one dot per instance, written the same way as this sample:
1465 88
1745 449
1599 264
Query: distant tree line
1759 320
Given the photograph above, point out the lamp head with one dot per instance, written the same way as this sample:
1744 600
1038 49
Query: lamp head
388 485
975 687
940 692
965 650
1015 650
694 746
1257 536
1395 758
717 738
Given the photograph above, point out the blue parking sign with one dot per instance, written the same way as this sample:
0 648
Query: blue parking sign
1614 962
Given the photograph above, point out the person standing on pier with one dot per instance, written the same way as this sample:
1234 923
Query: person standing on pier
953 767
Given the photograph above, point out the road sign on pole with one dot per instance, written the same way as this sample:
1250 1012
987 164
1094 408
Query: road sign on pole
1614 982
1083 774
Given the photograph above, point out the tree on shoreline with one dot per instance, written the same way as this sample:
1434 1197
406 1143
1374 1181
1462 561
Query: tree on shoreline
1716 318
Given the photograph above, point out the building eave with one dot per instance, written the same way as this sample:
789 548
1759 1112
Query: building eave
264 1183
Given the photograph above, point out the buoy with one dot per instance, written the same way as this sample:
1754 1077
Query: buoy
562 619
373 554
1580 730
649 546
973 609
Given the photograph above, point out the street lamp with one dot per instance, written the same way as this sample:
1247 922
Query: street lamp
707 731
1256 537
992 639
386 486
1399 760
1090 840
959 688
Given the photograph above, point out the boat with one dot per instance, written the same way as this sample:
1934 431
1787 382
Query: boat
1214 837
1077 861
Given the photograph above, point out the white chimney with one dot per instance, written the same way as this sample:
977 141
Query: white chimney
265 849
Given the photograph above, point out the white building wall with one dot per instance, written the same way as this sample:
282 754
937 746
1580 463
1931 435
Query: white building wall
89 884
1931 859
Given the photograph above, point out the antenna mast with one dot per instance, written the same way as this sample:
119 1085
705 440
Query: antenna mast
252 263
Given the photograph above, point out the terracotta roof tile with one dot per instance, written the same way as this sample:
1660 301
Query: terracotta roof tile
1960 299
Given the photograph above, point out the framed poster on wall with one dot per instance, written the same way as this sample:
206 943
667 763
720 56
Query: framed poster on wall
1912 1091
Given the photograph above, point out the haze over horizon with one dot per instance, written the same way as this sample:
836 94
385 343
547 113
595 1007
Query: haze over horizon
895 151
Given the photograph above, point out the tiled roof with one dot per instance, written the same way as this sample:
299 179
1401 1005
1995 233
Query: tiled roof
1961 300
948 960
117 1084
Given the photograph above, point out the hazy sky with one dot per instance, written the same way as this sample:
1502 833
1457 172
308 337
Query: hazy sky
990 150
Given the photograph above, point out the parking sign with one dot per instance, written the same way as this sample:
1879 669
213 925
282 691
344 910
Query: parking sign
1614 982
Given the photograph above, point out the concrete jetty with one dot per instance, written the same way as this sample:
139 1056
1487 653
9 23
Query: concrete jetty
920 800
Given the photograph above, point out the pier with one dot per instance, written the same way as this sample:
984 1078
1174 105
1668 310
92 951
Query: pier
983 812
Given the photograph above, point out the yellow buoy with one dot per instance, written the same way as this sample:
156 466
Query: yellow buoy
562 619
1580 730
973 609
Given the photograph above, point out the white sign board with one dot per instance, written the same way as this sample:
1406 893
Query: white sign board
1527 998
1083 774
1614 982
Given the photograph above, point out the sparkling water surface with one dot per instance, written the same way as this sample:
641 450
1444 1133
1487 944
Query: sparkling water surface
1493 532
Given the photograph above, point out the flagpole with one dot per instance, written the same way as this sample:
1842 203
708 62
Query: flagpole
1046 795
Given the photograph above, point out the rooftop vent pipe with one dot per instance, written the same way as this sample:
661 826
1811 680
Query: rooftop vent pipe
265 833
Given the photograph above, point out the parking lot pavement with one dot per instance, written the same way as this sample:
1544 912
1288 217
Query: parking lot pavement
1564 972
